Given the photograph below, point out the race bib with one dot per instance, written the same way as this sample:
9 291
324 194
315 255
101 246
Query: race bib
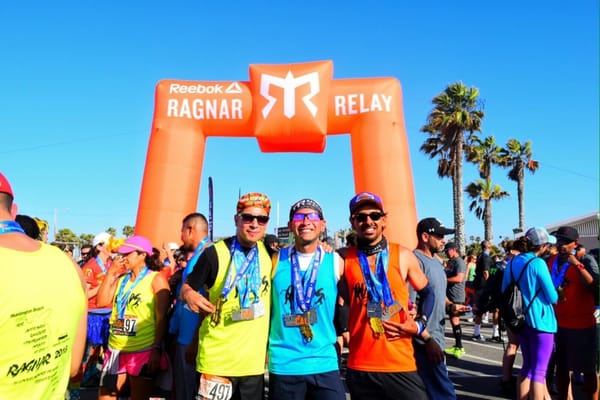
125 326
214 388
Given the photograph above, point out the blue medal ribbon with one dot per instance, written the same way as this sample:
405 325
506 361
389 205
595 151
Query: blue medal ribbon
101 264
559 277
377 284
248 269
192 261
10 227
121 298
305 290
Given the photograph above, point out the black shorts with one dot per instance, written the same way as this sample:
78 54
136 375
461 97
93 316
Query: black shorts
385 385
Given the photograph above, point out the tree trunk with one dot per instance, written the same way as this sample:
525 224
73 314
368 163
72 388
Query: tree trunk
457 195
521 195
487 220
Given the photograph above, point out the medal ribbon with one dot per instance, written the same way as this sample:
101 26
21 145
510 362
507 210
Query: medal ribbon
10 227
558 278
377 284
122 297
248 270
192 261
304 290
101 264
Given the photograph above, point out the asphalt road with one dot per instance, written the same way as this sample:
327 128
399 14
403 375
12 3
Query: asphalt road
476 375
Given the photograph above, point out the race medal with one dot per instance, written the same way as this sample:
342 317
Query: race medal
374 309
391 310
215 317
125 326
242 314
561 293
258 309
307 333
307 318
214 388
376 325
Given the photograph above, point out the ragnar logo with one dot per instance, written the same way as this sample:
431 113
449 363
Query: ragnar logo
289 84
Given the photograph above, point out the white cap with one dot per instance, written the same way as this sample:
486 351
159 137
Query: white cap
102 237
173 246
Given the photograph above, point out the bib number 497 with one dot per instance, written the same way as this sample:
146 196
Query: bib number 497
214 388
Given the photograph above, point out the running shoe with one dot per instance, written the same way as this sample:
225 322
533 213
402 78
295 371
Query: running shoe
456 352
496 339
478 338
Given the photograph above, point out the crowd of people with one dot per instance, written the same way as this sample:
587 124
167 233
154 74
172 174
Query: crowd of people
203 320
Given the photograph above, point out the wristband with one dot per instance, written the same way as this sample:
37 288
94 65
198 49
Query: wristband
420 327
580 266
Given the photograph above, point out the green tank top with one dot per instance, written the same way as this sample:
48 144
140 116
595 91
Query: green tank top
135 331
235 348
43 301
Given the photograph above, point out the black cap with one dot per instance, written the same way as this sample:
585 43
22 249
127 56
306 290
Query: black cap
305 203
567 234
433 225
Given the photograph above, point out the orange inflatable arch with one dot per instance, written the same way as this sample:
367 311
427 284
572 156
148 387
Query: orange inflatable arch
288 108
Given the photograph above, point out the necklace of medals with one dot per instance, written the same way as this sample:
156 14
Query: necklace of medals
378 288
304 296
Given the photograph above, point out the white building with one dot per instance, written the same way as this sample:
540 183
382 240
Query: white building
586 225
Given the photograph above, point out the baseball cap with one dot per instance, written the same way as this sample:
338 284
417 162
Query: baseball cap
102 237
567 234
306 203
254 199
539 236
433 225
365 198
173 246
135 243
5 186
450 245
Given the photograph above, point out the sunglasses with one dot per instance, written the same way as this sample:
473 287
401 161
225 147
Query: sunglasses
311 216
249 218
362 217
85 254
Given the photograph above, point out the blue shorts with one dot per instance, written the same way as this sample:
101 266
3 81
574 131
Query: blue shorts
323 386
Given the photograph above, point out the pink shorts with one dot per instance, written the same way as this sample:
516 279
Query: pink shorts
132 362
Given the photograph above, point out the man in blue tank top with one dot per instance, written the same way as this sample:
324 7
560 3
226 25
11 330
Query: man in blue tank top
303 361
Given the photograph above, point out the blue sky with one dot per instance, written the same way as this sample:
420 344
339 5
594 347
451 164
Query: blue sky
78 82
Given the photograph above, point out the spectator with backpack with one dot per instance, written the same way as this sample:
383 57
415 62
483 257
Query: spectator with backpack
536 338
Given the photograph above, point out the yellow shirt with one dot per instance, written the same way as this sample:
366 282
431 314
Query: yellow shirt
235 348
139 323
41 302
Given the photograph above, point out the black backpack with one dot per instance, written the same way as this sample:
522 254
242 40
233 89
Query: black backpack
512 308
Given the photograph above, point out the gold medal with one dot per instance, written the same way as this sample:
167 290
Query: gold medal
561 293
215 317
376 325
307 333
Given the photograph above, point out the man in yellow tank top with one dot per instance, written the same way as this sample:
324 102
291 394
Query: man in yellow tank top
43 312
236 273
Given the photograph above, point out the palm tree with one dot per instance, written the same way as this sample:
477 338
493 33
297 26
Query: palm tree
482 192
517 157
485 153
457 110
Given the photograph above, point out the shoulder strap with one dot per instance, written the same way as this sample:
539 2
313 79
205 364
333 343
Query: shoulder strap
536 292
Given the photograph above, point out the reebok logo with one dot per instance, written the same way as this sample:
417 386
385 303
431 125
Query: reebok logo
289 84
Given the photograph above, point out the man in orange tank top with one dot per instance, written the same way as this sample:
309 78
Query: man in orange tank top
381 361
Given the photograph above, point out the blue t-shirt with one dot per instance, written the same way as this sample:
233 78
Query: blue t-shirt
289 353
536 278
